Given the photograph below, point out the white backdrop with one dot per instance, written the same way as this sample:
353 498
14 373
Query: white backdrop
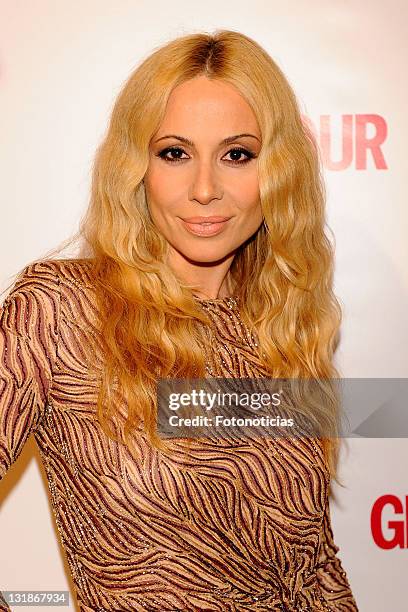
61 66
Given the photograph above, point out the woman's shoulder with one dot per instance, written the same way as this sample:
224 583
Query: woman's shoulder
55 287
56 276
76 271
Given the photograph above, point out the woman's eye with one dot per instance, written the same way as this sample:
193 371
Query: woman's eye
177 151
174 154
238 153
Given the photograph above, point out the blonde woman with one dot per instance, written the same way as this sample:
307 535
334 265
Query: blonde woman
203 254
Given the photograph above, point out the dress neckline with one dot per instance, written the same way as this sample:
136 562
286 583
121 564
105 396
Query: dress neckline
221 300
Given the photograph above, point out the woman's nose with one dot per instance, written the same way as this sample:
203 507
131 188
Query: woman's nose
205 184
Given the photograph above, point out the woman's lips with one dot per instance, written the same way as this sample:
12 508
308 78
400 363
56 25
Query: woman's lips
205 228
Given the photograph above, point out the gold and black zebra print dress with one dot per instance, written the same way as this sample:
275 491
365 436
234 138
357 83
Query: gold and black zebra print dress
217 528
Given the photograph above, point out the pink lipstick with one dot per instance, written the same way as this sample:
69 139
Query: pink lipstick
205 226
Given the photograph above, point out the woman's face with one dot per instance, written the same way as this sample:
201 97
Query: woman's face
193 173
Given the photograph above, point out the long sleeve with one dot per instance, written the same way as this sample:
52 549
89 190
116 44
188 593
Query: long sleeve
331 576
4 607
28 344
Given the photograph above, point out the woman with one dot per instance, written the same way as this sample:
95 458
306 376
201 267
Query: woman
207 126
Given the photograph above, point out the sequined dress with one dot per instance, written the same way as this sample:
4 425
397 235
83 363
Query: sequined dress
212 528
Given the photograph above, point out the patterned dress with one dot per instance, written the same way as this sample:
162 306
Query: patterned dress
220 526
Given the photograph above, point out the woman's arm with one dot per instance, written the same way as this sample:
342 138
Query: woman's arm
28 344
331 576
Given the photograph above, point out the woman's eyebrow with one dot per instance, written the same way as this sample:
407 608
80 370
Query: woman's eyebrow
223 142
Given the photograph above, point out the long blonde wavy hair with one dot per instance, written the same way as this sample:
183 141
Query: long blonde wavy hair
149 317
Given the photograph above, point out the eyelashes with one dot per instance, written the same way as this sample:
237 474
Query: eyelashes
165 152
